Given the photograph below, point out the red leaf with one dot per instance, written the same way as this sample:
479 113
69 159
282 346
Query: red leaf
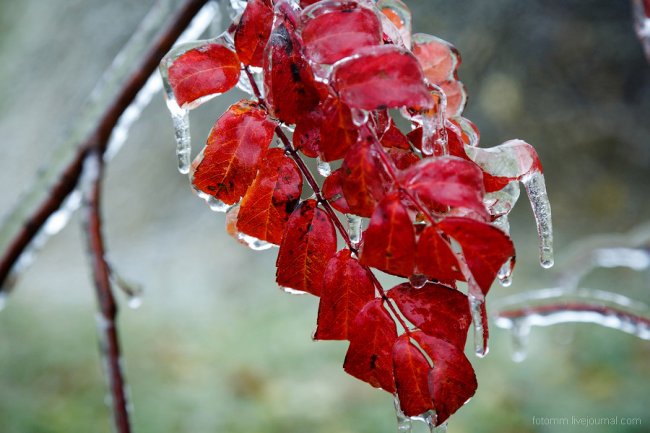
411 371
438 58
333 193
394 138
275 192
228 163
403 159
448 181
361 178
305 3
456 97
389 243
435 258
452 380
369 357
381 77
437 310
207 70
291 89
253 32
309 242
485 247
347 288
332 31
328 129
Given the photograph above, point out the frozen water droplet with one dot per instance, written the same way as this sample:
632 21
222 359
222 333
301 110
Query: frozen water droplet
404 423
354 228
642 24
477 311
536 190
324 168
135 302
359 117
418 280
217 205
505 273
519 333
254 243
291 291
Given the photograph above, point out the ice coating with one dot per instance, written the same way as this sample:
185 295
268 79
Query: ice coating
642 23
354 228
418 280
536 189
434 133
405 423
396 21
480 341
323 168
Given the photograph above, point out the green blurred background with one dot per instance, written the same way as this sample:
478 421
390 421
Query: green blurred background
216 347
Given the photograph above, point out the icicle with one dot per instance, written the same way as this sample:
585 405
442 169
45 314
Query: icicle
324 168
536 189
477 311
359 116
354 228
404 423
418 280
434 133
505 273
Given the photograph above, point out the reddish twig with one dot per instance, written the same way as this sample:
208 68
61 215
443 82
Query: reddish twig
98 139
578 307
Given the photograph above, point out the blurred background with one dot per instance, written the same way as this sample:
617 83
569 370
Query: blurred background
215 346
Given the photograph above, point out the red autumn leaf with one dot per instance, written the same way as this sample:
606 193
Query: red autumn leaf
448 181
207 70
328 130
455 143
291 89
389 243
305 3
362 178
485 247
403 159
456 97
229 161
347 288
452 380
309 242
438 58
381 77
394 138
411 370
253 32
435 258
333 193
372 336
275 192
332 31
439 311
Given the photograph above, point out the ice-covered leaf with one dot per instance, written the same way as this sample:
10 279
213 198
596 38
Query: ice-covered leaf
396 21
372 336
456 97
347 288
291 90
271 198
328 130
452 381
485 247
309 242
333 193
394 138
403 159
436 259
333 30
228 164
448 181
206 70
438 58
411 370
253 32
381 77
362 178
437 310
389 243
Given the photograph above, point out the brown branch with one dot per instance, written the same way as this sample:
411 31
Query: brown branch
98 139
107 328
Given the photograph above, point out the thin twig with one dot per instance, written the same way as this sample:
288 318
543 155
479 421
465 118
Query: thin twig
98 138
107 328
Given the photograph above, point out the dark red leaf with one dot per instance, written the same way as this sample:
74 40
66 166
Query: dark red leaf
438 58
275 192
291 90
333 193
452 380
485 247
411 370
229 161
437 310
394 138
347 288
305 3
403 159
372 336
309 242
207 70
253 32
435 258
334 30
328 129
362 178
381 77
448 181
389 240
